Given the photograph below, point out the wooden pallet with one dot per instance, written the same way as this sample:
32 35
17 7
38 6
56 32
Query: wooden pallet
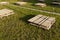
42 21
5 12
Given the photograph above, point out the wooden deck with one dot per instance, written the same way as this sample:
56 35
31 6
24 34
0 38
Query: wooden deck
42 21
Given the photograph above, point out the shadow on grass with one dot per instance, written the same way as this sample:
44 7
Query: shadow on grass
26 18
31 1
16 4
52 5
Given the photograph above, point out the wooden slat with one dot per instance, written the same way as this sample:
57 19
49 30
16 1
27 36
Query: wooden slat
35 18
43 21
48 23
40 19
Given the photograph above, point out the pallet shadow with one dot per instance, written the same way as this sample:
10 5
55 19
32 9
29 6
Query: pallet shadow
26 18
30 1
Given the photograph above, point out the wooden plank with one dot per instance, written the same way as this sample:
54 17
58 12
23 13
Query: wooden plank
35 18
40 19
48 23
43 21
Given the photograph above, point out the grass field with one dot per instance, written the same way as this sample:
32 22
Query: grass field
47 8
9 0
16 27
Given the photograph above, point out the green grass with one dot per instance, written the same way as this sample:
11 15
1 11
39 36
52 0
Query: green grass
16 27
31 5
47 8
9 0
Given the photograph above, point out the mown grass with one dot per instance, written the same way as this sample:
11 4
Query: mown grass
16 27
8 0
47 8
31 4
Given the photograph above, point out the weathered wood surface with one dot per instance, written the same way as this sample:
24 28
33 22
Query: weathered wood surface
35 18
40 19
